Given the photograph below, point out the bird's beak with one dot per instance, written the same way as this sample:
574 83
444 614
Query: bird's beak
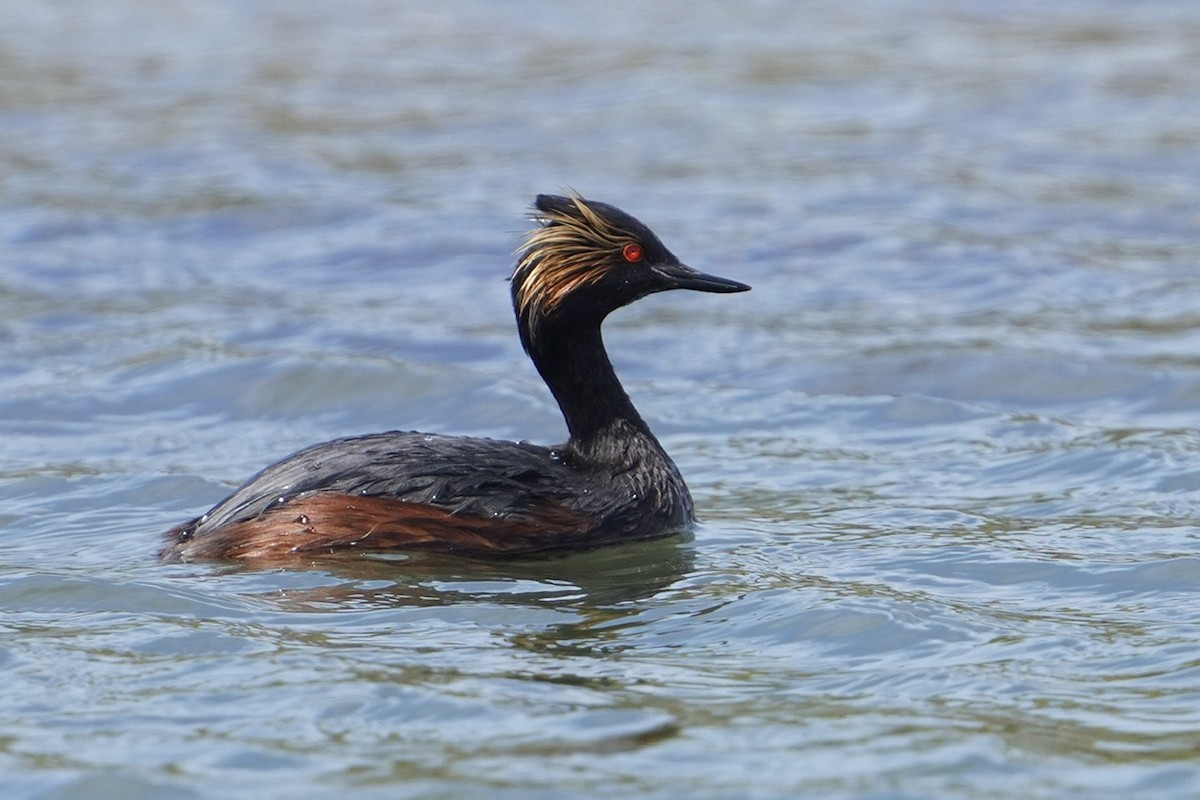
681 276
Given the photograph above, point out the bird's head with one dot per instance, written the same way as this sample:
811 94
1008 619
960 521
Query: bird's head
586 259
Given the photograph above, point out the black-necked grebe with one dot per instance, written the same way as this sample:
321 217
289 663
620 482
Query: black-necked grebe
610 482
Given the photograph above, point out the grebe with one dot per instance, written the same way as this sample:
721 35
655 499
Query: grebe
611 481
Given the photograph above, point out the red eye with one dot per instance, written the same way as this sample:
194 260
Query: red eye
633 252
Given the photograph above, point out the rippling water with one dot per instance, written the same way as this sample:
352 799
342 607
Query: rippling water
947 452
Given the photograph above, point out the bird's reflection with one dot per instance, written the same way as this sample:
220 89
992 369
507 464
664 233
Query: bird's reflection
583 581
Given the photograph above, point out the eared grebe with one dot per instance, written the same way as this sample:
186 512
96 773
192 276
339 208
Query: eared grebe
610 482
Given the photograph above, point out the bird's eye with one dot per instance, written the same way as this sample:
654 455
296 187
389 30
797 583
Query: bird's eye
633 252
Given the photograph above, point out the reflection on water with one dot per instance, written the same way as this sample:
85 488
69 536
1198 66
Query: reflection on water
583 582
945 453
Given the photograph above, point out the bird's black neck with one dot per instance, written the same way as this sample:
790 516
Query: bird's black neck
573 362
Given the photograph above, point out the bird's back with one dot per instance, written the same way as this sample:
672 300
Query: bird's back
423 491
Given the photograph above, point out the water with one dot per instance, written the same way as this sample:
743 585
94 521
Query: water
946 452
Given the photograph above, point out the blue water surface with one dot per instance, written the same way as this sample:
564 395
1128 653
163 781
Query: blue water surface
946 453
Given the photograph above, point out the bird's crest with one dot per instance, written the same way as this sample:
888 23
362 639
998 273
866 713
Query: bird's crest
576 244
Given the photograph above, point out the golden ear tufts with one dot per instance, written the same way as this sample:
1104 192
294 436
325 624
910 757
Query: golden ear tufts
566 252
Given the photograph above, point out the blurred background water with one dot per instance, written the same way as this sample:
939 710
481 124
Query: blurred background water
946 453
